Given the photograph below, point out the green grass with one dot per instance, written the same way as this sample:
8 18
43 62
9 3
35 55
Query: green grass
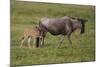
27 15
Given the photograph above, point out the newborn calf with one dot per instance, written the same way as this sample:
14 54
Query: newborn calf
31 34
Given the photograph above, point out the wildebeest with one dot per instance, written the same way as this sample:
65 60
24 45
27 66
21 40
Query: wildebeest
31 34
61 26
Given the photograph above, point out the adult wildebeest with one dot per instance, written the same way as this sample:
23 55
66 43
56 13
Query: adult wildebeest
61 26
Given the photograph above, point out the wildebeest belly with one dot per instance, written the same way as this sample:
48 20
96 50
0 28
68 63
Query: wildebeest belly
57 33
56 30
55 27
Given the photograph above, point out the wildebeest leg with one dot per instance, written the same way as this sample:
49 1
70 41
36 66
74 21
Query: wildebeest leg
23 39
61 41
29 42
37 41
70 42
79 41
41 42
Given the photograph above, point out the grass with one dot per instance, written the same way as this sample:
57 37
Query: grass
27 14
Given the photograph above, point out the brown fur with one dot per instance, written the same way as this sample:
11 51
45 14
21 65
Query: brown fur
30 34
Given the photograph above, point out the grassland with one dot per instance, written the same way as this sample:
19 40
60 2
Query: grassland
27 14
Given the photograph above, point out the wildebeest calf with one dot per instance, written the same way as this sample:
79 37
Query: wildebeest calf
31 34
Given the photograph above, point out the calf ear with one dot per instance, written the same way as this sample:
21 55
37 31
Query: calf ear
36 26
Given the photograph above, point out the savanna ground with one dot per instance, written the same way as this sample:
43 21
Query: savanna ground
27 14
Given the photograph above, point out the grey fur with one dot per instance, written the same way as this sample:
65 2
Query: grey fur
61 26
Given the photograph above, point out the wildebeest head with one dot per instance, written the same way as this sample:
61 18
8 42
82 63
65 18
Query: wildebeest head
82 21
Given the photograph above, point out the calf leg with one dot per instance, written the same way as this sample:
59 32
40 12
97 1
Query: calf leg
41 42
34 42
29 42
23 39
43 35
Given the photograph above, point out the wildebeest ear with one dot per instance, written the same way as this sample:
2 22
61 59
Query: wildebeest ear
86 20
73 17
